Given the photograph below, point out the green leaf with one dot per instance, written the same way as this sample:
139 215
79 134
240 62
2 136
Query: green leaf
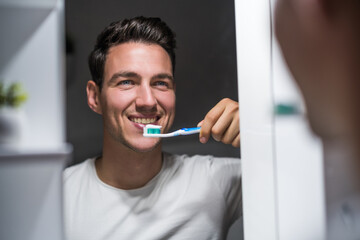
13 96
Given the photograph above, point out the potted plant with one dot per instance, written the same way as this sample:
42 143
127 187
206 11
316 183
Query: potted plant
12 96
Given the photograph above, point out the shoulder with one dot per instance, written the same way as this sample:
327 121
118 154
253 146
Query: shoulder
78 170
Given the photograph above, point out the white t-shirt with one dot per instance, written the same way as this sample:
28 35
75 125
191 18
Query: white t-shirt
196 197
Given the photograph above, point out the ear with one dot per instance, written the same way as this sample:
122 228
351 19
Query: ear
93 96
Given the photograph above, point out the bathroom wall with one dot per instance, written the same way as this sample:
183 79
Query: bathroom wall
205 71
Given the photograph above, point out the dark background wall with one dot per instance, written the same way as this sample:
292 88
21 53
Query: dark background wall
205 71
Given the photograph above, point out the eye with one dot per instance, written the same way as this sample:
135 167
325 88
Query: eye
126 84
161 83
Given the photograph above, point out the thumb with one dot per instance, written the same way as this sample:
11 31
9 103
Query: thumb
200 123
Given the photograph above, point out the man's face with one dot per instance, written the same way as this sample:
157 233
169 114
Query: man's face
138 89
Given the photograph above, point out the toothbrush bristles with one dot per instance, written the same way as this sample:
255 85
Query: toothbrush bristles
153 131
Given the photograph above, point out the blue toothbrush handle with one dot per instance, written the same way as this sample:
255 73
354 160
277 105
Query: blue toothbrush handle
191 129
188 131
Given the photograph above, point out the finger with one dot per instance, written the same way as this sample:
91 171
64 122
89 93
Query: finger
232 131
236 142
222 124
200 123
228 119
209 121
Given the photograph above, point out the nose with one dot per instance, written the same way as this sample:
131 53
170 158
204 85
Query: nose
145 100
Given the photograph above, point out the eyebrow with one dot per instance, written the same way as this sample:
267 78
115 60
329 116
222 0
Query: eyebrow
163 76
115 76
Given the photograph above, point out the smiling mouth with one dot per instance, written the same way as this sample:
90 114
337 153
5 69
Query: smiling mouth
143 120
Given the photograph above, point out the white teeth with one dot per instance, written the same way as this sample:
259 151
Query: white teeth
143 120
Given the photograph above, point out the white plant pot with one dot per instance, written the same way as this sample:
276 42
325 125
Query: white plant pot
11 126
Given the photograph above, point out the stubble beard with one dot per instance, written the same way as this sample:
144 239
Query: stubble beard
118 136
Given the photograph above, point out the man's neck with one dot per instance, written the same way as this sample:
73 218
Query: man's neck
124 168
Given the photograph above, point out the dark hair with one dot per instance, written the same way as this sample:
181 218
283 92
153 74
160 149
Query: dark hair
138 29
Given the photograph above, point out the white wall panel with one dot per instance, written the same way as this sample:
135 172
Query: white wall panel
37 61
253 43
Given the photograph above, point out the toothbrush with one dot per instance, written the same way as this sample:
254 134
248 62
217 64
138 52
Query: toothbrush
155 131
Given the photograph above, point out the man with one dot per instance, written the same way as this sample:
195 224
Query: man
134 190
320 42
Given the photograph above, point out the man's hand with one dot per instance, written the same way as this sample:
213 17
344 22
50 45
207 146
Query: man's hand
222 123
